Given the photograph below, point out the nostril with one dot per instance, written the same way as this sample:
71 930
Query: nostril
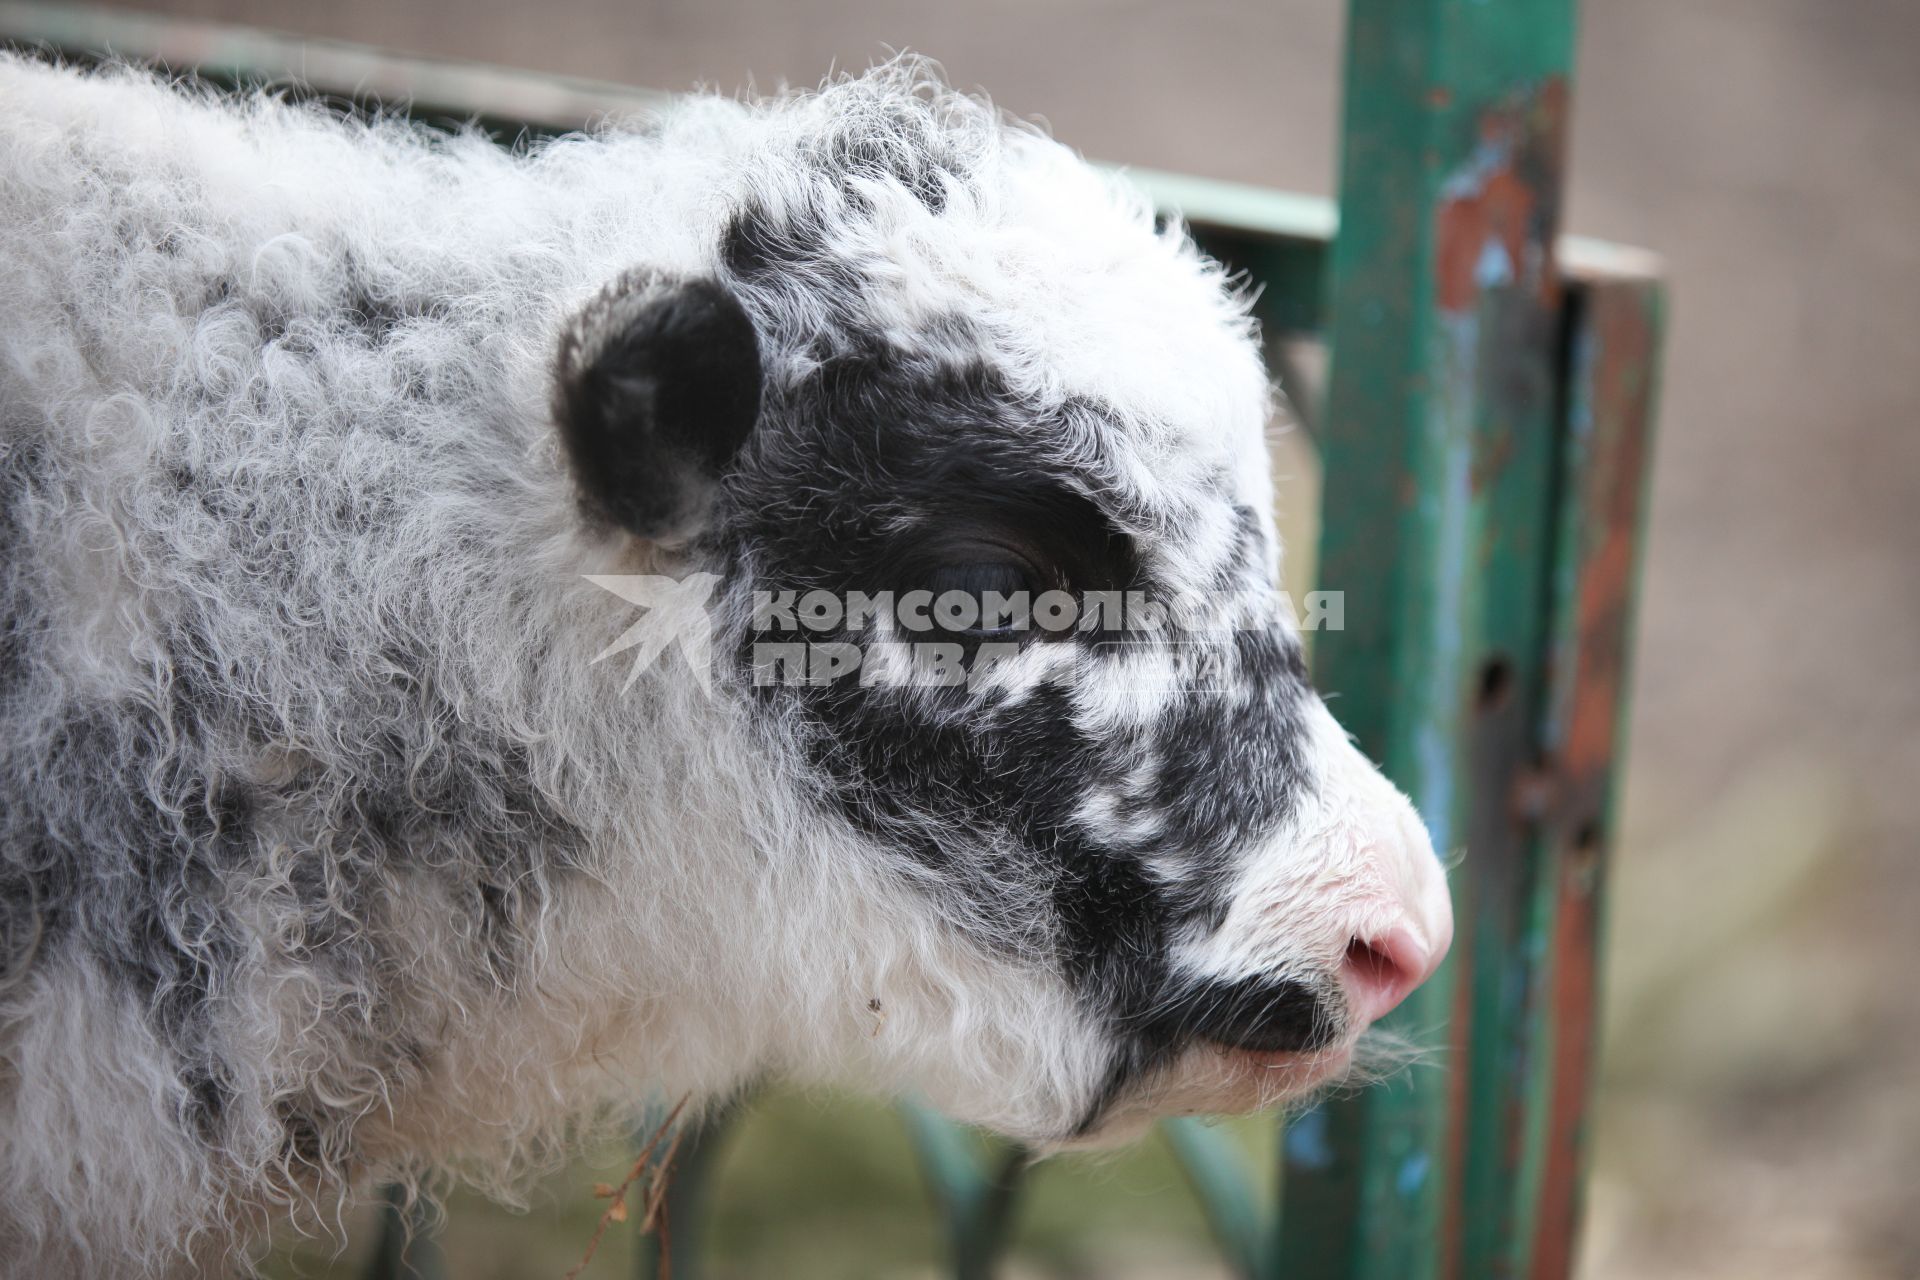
1381 972
1368 964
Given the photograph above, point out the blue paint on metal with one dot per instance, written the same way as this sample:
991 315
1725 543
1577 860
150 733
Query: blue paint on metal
1494 266
1468 180
1449 516
1413 1173
1308 1143
1585 351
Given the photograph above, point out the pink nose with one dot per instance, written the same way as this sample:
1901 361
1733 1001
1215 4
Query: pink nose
1392 956
1379 973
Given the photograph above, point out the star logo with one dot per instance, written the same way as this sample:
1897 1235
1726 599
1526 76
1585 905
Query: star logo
676 613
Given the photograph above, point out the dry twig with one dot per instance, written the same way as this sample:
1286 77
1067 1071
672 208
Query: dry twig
656 1193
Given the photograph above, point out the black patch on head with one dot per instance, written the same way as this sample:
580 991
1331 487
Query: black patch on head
756 248
886 464
659 386
894 141
928 468
765 251
890 141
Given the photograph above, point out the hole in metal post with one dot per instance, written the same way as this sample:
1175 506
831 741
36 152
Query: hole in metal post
1496 683
1584 858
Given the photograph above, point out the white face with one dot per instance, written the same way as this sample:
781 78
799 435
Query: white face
1170 881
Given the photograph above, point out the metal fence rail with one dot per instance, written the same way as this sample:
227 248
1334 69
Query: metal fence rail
1484 434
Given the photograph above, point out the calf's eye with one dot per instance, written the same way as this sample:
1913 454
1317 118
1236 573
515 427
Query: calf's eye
981 596
977 577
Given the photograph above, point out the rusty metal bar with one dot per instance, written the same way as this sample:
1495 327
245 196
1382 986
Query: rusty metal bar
1614 346
1438 450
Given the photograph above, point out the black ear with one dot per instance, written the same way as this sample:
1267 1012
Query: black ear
658 387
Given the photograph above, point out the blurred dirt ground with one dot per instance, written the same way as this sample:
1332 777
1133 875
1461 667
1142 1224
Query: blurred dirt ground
1761 1116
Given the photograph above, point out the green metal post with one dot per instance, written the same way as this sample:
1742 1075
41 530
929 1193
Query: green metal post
974 1190
407 1248
1615 336
675 1247
1438 455
1224 1188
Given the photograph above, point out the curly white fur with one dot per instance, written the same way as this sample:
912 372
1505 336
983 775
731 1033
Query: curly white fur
291 551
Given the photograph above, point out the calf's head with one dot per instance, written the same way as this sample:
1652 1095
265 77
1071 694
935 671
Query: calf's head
975 451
